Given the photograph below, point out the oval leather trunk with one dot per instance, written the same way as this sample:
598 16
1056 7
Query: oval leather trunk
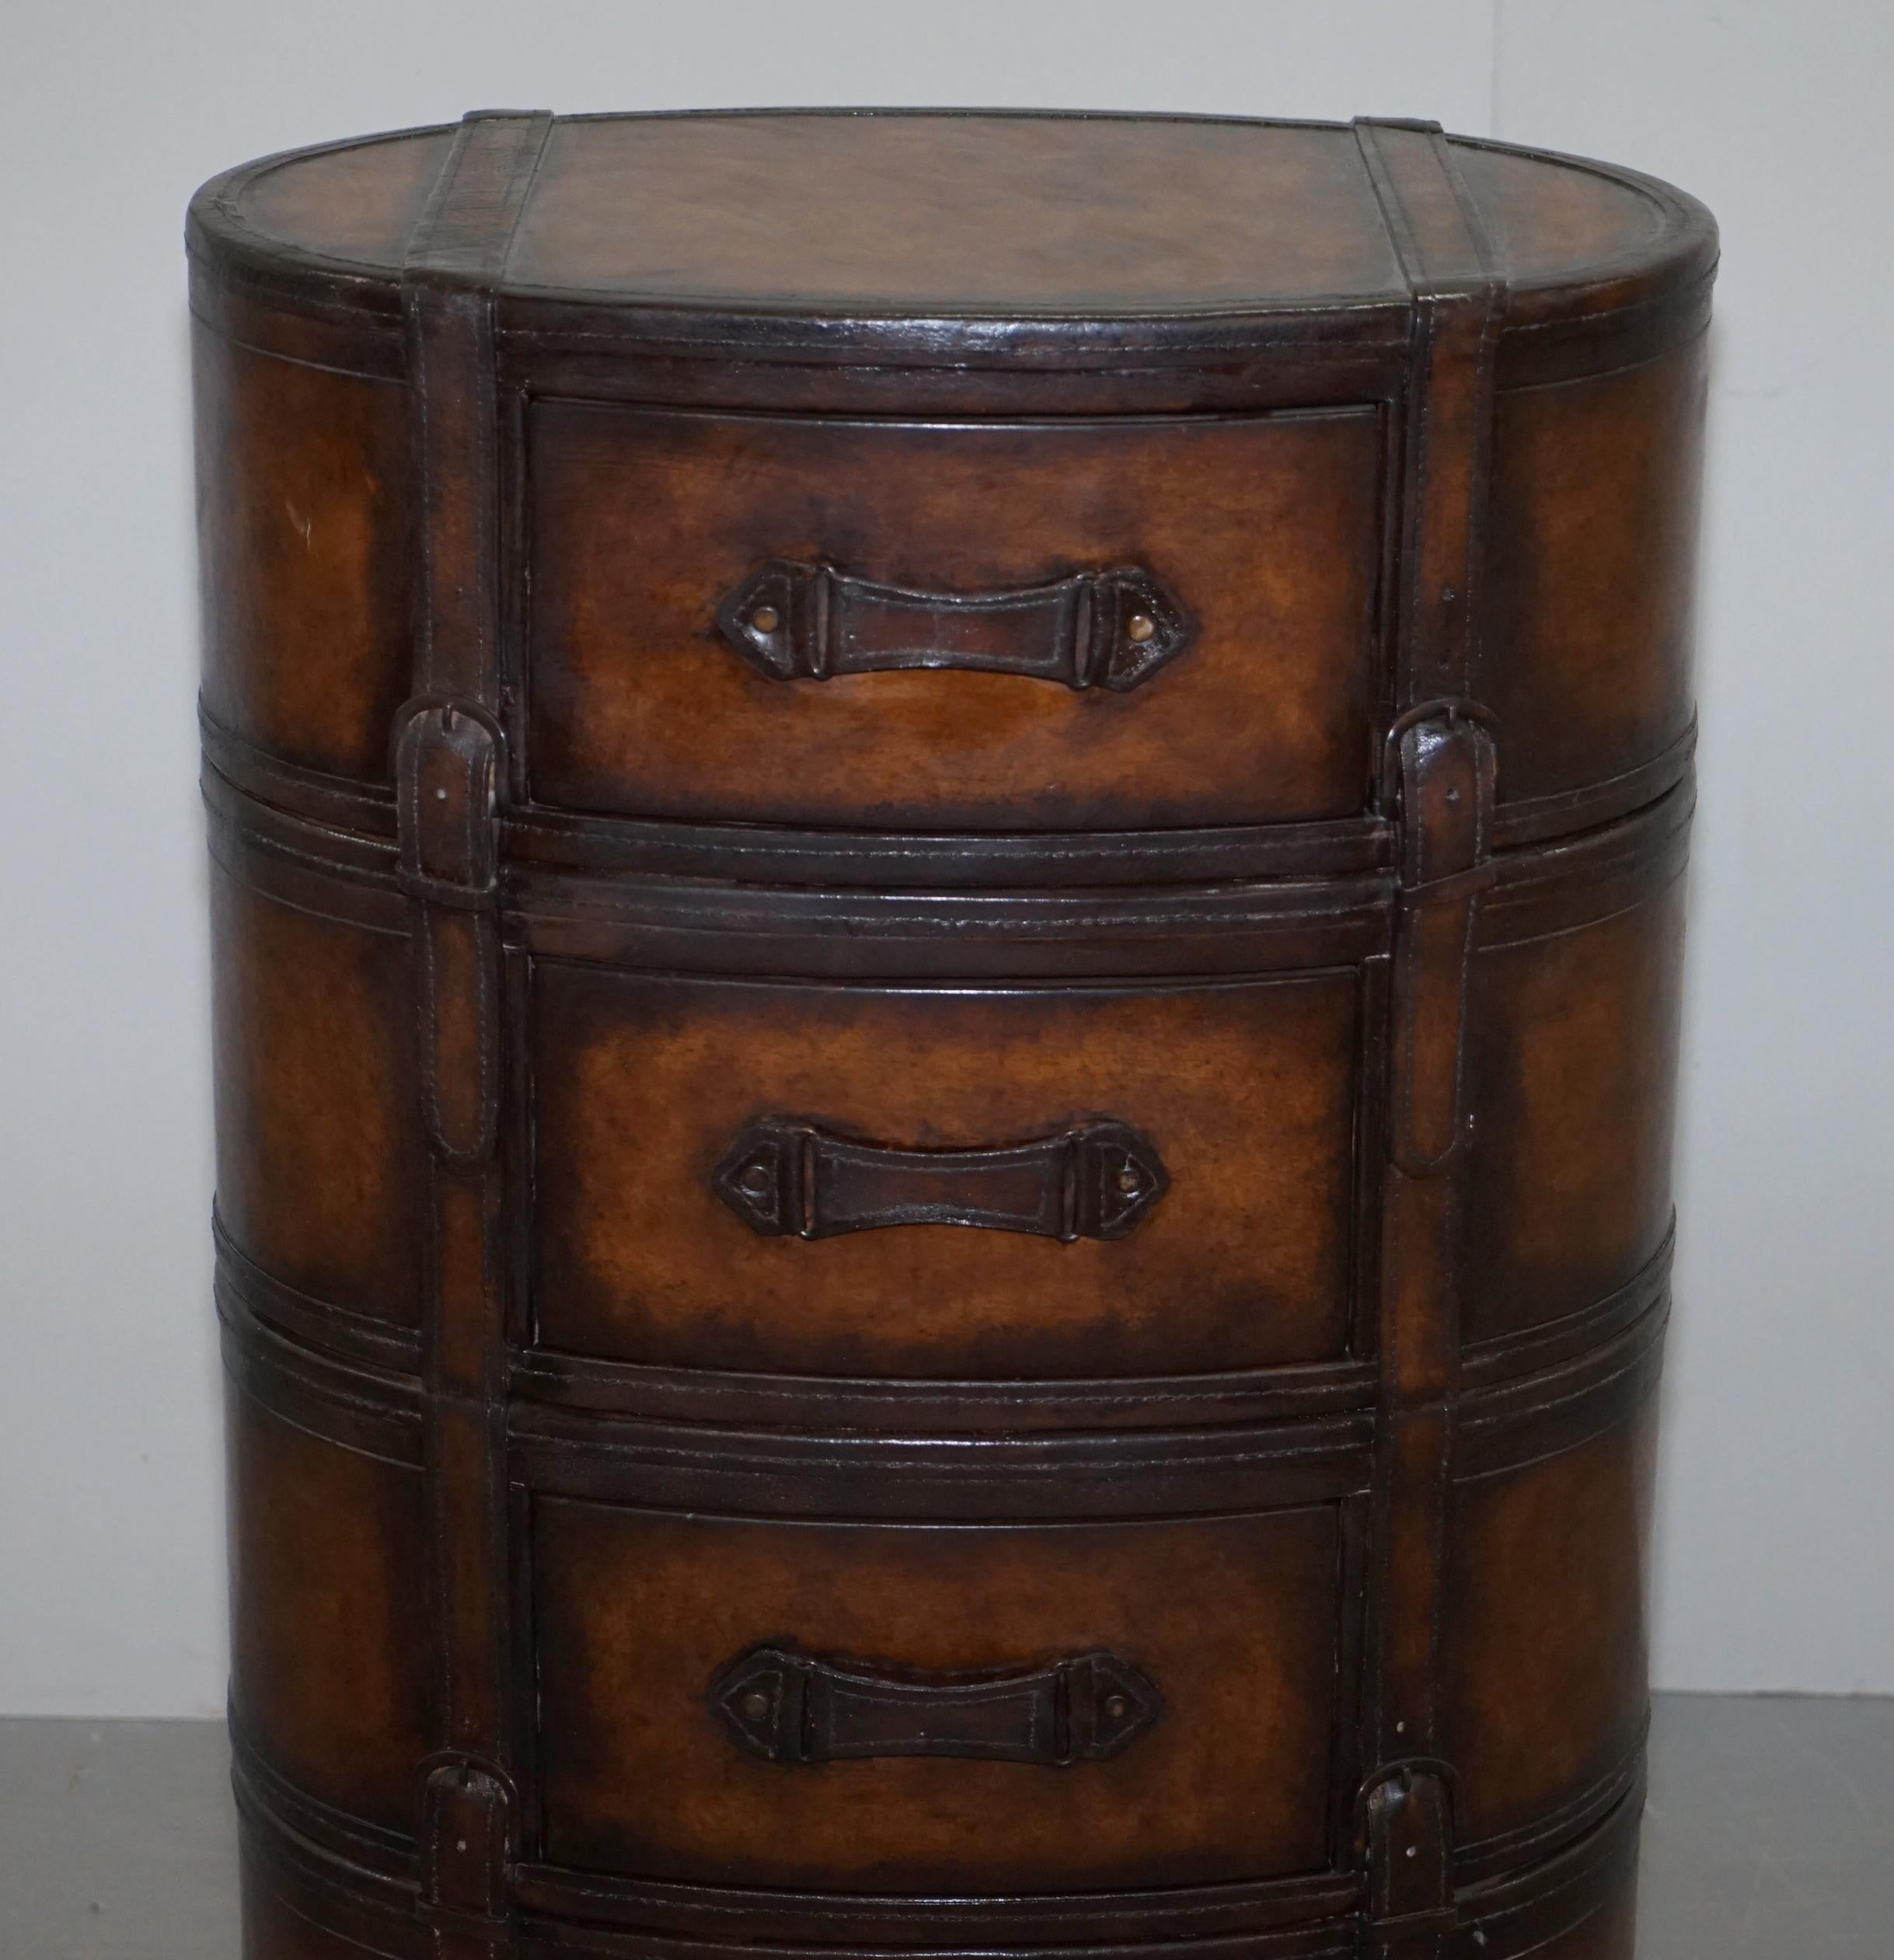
948 857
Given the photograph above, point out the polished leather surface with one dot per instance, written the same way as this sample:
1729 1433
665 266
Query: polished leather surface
881 1295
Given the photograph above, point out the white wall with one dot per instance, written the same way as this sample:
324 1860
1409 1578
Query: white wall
1776 1545
1777 1567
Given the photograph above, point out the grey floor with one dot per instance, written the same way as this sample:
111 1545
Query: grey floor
1770 1835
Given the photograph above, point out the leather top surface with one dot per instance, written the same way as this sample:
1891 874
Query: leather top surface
1005 216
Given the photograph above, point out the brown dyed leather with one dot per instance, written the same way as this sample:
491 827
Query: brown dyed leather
1246 1091
1261 527
329 1663
318 1174
1234 1782
1242 1545
303 528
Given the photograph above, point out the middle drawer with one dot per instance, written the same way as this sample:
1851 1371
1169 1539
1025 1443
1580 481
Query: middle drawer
998 1182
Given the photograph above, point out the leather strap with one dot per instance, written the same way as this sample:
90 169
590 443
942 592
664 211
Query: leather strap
455 259
1440 783
1445 767
447 766
449 757
1410 1886
465 1848
1455 299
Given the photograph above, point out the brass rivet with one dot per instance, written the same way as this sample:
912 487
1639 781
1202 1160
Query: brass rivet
1140 627
765 618
1129 1180
756 1181
1115 1706
755 1704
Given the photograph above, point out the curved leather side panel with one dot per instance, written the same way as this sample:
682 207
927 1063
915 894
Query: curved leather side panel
305 524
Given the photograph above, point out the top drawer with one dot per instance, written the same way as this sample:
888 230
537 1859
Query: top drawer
952 626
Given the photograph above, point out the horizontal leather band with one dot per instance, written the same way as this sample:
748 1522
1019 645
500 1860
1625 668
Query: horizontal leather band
766 854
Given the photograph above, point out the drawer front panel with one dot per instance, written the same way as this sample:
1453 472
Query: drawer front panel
1217 1767
1244 550
1167 1176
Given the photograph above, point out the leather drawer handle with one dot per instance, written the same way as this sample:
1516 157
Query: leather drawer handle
1112 629
783 1176
790 1708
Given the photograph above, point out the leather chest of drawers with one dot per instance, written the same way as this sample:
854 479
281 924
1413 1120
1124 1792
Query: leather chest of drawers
947 853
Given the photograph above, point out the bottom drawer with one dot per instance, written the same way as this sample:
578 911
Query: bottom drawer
877 1706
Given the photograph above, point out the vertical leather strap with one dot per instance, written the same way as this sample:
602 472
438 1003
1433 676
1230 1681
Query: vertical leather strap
455 259
449 778
1440 780
1407 1830
1455 300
